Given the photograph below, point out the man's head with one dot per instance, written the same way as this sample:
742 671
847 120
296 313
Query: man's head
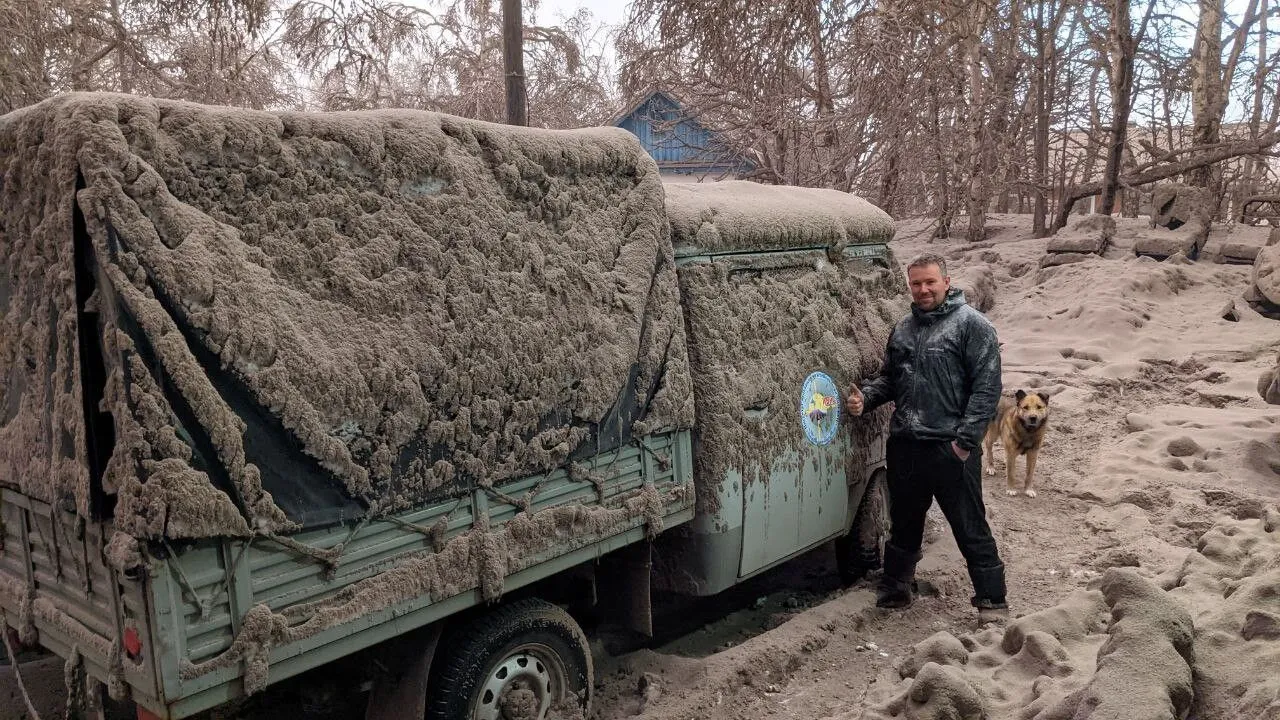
927 276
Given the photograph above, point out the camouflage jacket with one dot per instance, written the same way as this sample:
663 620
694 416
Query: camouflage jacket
942 371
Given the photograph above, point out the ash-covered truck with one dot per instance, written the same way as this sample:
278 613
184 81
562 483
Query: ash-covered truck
277 389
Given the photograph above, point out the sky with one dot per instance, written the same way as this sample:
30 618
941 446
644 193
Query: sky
611 12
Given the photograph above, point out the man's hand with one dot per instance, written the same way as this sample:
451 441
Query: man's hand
959 451
853 403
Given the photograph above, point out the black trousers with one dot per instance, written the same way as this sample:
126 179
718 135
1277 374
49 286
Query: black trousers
921 471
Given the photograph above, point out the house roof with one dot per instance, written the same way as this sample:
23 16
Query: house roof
643 98
732 157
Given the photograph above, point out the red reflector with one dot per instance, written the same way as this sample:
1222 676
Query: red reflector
145 714
132 643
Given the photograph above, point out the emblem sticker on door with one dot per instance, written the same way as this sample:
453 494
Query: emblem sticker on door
820 408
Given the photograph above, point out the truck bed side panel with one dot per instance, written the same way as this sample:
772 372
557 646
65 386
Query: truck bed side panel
202 593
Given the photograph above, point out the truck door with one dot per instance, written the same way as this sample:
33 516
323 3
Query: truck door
805 501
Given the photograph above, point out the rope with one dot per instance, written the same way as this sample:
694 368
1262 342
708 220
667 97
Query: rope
74 678
580 473
330 557
13 663
202 604
326 557
577 472
522 503
664 460
434 532
51 548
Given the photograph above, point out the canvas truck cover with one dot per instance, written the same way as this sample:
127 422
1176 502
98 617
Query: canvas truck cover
219 321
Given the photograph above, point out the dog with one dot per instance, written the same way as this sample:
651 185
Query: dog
1019 425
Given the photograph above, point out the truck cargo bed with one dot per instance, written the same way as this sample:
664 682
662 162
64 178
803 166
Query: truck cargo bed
330 592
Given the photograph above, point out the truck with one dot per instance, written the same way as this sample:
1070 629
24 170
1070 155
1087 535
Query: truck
283 389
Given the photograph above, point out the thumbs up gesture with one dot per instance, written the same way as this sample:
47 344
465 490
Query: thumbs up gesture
853 403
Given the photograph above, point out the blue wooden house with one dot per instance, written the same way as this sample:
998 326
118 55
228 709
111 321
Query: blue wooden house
682 147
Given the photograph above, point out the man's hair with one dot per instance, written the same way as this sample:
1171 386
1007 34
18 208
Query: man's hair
927 259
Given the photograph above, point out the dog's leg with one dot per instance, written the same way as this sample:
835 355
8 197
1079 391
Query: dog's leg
989 440
1031 468
1010 465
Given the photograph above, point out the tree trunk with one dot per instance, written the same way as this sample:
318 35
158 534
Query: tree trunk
124 78
1093 147
1121 47
1065 151
943 210
1255 167
782 147
979 138
1007 117
1059 64
1208 96
513 61
1130 198
890 177
1041 139
795 155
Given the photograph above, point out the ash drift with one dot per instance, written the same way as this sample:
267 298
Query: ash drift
218 321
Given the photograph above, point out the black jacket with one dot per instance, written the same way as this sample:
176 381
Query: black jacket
942 371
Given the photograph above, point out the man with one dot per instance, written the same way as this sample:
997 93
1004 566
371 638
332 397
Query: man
942 372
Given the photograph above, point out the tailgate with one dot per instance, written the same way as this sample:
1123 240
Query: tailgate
56 589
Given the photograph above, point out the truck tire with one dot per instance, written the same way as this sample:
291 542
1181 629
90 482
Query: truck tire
858 551
523 660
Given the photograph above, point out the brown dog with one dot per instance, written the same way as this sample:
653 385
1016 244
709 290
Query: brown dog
1019 425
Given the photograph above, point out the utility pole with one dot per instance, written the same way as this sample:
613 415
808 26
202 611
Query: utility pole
513 62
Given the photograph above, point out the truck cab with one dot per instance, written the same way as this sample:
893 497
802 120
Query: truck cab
789 295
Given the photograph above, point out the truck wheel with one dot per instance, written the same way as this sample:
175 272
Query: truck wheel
528 661
858 552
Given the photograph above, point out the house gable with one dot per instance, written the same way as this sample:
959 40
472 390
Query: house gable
678 143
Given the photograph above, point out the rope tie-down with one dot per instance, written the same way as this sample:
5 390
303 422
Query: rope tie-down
480 558
17 670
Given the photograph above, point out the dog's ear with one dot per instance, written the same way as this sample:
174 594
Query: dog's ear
1044 397
1020 394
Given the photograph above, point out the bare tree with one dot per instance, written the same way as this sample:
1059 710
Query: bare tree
212 51
1208 96
1046 31
933 107
761 72
374 53
354 54
951 108
1255 166
1122 47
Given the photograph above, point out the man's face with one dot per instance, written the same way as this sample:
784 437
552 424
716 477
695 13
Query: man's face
928 286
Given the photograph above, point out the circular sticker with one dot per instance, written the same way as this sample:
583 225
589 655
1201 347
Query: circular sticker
819 408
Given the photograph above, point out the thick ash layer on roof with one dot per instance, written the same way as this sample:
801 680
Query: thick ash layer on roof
408 301
738 215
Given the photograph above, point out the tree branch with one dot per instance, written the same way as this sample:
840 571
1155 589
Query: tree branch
1221 152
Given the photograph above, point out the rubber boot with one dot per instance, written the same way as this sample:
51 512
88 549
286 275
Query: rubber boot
895 590
989 593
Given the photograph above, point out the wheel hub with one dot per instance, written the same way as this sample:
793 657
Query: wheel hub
522 686
520 703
